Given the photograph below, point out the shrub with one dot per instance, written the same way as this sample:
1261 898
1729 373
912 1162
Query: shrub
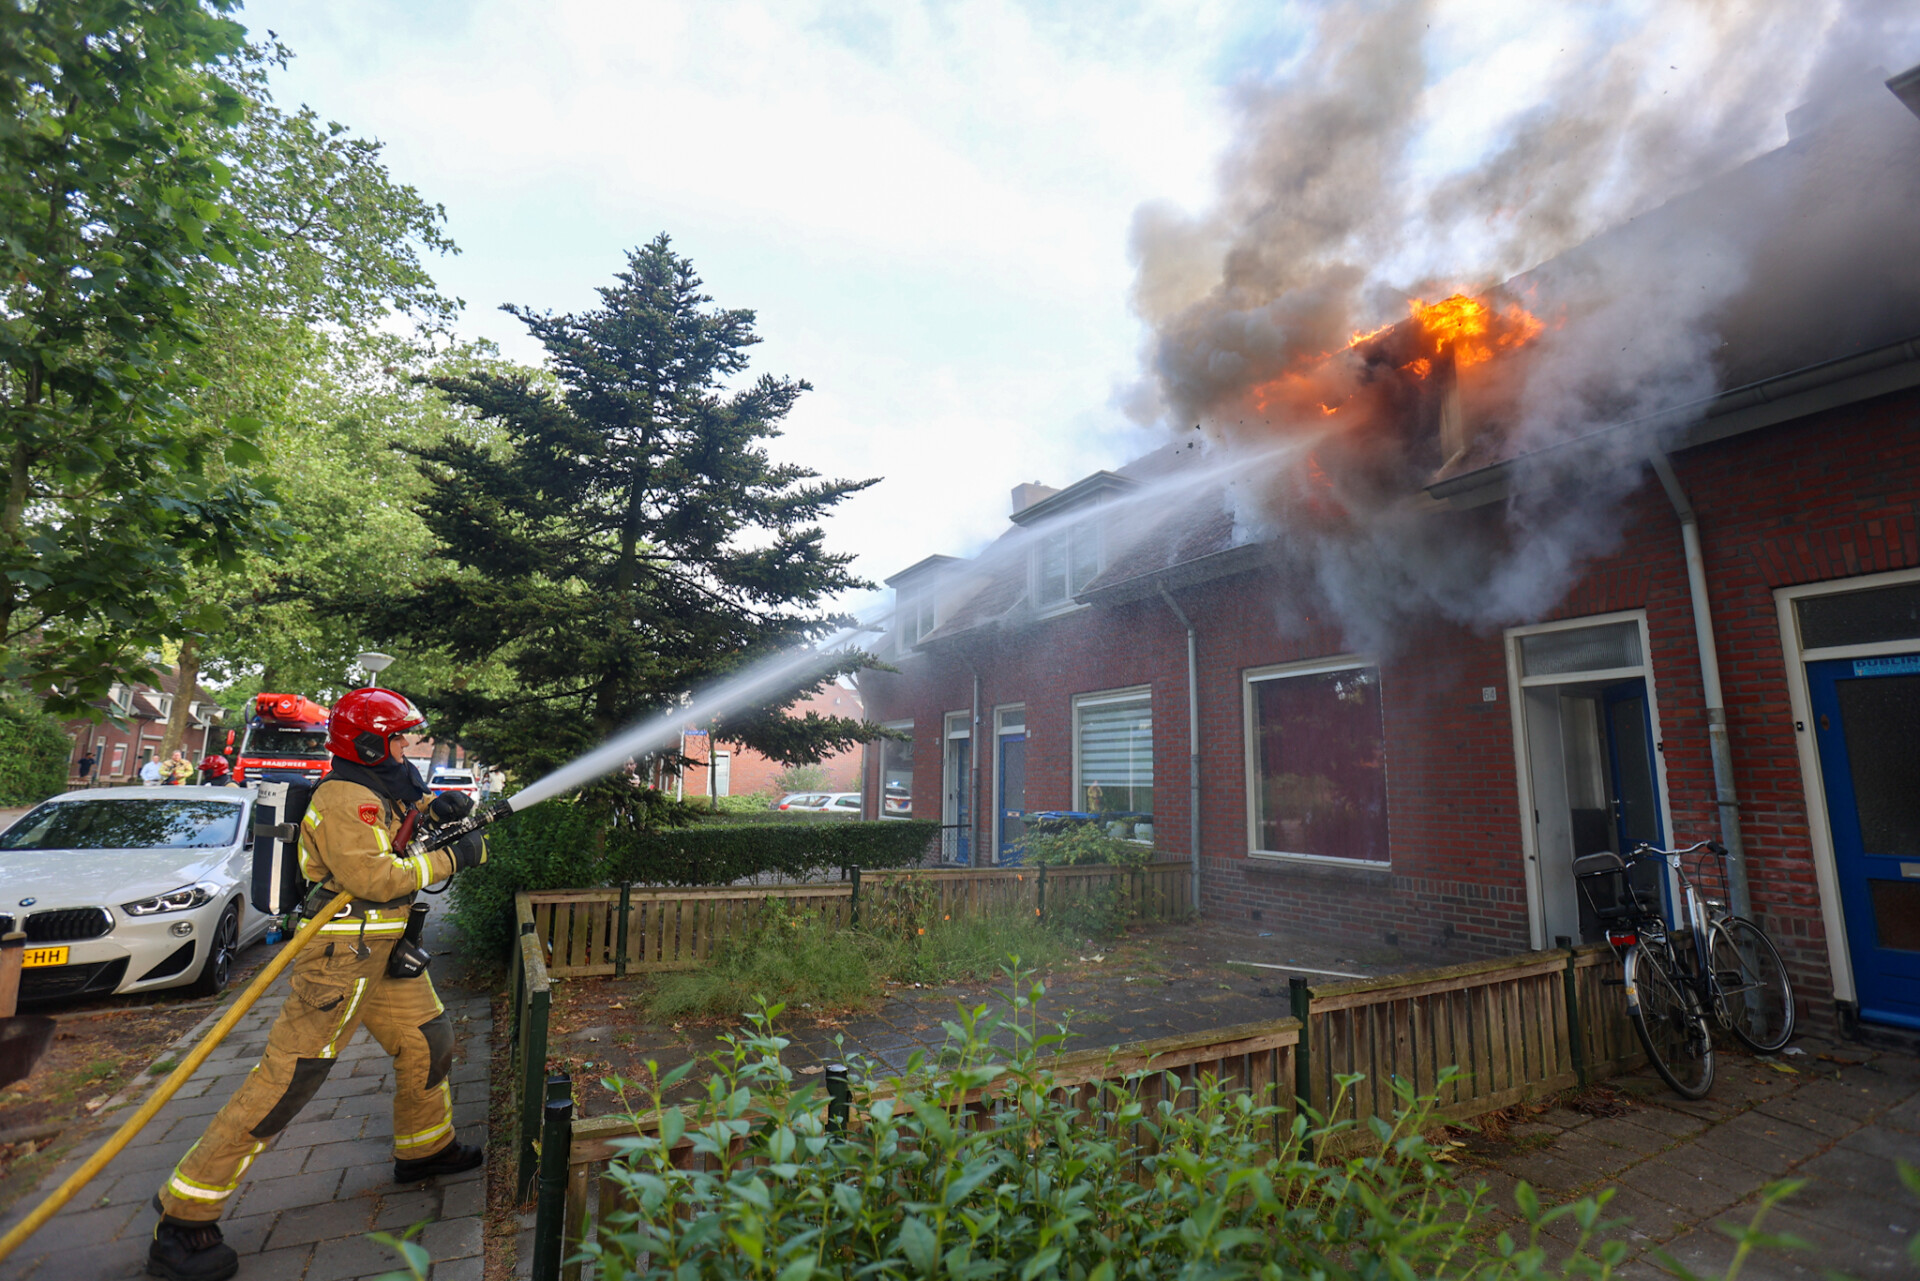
1061 842
578 844
787 958
33 754
802 778
1043 1184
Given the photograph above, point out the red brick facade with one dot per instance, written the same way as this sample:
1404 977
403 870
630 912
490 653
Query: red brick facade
1827 497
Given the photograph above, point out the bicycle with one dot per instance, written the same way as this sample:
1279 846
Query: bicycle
1714 964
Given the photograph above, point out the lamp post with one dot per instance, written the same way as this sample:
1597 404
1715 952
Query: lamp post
374 661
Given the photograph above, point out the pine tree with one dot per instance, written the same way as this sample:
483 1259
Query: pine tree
622 538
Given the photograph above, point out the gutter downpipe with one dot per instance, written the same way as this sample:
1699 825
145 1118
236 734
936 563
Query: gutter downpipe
1725 795
1193 746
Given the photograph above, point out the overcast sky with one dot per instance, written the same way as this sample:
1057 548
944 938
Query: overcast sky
928 202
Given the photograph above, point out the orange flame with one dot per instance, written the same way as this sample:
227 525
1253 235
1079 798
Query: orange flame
1471 330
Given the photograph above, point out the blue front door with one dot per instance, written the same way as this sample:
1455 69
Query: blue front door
1013 799
1866 723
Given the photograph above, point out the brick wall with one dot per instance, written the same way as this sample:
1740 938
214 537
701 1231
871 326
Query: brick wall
1827 497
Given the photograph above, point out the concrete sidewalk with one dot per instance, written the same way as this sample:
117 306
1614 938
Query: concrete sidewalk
307 1203
1681 1170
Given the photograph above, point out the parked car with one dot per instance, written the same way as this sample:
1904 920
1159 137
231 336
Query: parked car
454 780
896 802
802 801
842 803
130 889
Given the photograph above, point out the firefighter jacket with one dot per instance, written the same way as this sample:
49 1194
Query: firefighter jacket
347 842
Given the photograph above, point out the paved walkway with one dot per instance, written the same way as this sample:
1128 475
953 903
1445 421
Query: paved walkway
1680 1170
310 1199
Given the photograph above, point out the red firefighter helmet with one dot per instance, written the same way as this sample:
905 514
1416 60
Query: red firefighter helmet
365 719
215 765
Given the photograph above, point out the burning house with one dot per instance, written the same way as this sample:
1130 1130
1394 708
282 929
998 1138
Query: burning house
1625 548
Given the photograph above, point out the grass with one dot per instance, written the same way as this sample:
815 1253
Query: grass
793 960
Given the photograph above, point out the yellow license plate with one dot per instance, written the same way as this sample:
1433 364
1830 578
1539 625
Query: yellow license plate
43 956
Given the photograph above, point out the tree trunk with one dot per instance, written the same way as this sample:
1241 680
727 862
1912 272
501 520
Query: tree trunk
186 676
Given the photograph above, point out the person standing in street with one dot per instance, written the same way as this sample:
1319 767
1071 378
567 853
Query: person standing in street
150 772
176 770
84 767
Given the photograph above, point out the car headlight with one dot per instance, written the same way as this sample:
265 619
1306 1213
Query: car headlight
184 899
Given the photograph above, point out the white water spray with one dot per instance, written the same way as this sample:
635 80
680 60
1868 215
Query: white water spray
755 685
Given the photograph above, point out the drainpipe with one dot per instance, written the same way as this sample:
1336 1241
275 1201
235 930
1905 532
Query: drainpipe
1193 746
1724 794
973 779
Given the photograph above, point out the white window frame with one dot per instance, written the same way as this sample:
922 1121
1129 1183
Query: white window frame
1068 531
1096 698
1251 750
1523 765
880 766
912 608
1826 876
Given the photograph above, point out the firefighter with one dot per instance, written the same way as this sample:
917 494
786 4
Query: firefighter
216 772
341 980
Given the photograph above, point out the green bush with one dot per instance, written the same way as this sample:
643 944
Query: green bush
1046 1183
786 958
1062 842
577 844
34 751
802 778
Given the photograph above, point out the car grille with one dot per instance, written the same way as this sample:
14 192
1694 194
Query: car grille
6 924
69 924
56 982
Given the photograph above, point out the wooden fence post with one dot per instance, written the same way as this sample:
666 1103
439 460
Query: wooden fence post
533 1069
556 1146
620 930
1300 997
1576 1025
1041 909
853 911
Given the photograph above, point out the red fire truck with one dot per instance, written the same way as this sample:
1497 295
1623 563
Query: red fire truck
285 741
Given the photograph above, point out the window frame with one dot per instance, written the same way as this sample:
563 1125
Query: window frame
1096 698
1250 747
882 747
1068 532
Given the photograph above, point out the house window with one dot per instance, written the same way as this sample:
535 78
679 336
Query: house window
896 773
1065 562
1317 756
1113 753
916 617
165 703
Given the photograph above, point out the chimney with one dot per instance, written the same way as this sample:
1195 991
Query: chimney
1025 496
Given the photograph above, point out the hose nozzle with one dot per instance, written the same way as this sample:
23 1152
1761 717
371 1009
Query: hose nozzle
440 837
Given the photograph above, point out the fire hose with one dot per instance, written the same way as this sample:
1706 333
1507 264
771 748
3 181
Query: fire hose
437 838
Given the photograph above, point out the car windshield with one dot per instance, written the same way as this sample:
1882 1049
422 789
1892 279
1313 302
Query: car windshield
135 823
285 742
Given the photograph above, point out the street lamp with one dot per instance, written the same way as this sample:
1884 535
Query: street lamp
374 661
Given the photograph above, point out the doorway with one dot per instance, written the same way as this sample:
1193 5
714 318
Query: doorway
1590 764
1010 784
1859 723
956 801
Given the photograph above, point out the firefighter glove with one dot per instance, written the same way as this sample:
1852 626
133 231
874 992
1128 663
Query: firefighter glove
449 806
469 851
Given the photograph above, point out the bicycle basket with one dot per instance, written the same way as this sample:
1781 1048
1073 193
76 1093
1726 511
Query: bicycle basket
1609 890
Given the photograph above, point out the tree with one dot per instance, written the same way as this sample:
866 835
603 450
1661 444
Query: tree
114 221
626 538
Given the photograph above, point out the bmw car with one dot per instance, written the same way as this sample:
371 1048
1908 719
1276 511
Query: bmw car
130 889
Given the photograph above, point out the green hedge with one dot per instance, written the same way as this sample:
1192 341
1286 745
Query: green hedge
33 754
568 845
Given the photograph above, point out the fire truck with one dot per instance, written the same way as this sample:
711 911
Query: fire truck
285 741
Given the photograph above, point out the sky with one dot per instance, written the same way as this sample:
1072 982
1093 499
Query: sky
928 205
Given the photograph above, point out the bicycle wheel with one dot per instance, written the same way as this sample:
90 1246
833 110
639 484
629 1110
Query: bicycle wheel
1669 1021
1755 994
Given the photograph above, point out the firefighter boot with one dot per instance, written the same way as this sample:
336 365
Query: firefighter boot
183 1251
455 1158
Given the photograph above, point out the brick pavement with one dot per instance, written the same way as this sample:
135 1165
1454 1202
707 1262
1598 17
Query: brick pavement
309 1201
1682 1171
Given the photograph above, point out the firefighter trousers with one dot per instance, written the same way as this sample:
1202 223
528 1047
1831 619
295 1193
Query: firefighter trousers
337 985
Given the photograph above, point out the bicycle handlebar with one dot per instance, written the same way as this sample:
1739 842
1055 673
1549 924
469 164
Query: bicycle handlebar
1644 850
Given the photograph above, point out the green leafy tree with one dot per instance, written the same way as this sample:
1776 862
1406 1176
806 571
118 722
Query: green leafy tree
625 538
115 222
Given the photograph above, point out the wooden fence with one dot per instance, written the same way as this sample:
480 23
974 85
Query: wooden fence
629 930
1517 1027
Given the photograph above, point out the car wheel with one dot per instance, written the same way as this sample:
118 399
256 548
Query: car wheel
217 970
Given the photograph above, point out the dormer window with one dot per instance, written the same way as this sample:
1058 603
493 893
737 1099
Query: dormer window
120 698
916 616
165 703
1064 563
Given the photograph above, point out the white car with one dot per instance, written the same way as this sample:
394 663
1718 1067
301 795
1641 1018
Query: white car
454 780
130 889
